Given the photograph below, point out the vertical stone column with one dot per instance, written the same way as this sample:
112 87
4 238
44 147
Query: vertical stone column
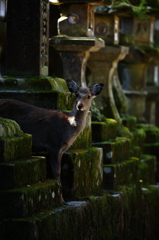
133 69
27 37
103 64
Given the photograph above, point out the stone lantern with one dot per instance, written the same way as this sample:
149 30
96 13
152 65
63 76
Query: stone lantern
75 39
103 64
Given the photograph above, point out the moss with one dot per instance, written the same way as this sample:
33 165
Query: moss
25 201
151 132
147 168
14 148
129 122
115 150
81 172
102 131
139 138
9 128
124 132
12 173
122 173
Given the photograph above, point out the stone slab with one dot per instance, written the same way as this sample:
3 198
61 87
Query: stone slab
26 201
21 173
81 172
115 150
102 131
122 173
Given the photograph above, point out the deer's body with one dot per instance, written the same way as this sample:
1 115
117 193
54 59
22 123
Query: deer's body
52 131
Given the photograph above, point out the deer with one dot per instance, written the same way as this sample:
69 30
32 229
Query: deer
52 131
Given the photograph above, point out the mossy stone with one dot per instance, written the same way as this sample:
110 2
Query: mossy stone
15 148
15 174
129 122
81 172
102 131
122 173
147 169
23 202
116 150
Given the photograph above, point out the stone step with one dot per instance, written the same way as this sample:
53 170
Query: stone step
116 150
122 173
24 202
81 172
75 221
147 169
46 92
103 131
14 144
17 174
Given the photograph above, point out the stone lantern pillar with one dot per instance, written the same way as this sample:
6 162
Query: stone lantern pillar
27 38
75 39
138 34
103 64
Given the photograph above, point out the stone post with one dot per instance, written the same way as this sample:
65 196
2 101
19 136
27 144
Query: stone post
27 37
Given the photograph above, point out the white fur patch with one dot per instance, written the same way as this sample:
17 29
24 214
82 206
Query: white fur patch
72 121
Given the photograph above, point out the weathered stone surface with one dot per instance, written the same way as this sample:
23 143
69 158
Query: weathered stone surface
24 202
115 150
122 173
102 131
129 122
15 148
81 172
147 169
21 173
46 92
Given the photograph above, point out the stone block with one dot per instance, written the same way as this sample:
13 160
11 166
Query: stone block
129 122
15 148
102 131
25 201
138 138
15 174
122 173
115 150
46 92
81 172
147 169
151 131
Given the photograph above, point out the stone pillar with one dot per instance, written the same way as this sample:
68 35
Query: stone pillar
133 69
103 64
27 37
75 39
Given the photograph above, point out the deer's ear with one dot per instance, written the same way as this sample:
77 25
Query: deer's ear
97 88
72 86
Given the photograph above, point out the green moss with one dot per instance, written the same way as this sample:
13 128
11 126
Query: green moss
81 172
12 173
9 128
124 132
147 168
129 122
102 131
115 150
151 132
122 173
15 148
25 201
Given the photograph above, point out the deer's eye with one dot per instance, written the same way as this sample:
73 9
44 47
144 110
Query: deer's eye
89 96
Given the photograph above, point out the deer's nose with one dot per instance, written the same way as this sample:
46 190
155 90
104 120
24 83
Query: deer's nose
80 106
